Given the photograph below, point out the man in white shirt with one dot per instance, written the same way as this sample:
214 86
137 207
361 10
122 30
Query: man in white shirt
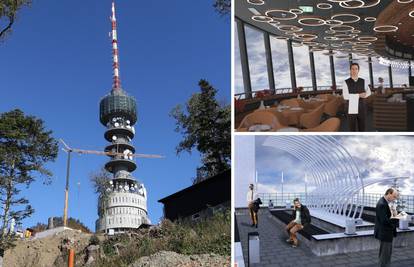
353 90
251 197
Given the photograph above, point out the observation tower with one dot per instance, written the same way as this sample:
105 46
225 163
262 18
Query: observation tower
124 207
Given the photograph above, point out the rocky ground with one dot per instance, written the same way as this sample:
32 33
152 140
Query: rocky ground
44 252
170 258
52 251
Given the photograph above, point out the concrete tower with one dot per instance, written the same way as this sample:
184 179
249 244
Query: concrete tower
125 206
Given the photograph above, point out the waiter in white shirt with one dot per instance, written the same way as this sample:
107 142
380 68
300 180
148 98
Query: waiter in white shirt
353 90
251 197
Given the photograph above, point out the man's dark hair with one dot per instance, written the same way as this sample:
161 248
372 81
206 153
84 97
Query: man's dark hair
296 200
389 191
354 64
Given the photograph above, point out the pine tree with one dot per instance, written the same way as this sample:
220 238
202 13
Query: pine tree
205 126
25 147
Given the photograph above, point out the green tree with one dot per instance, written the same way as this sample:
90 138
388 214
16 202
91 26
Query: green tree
223 7
25 147
205 125
8 13
101 183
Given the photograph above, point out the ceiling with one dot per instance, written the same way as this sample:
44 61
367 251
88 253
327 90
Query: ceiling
363 27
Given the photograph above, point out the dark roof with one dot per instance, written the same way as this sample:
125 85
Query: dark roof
198 197
197 186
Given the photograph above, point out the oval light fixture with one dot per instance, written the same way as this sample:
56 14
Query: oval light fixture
386 28
370 19
354 18
280 14
256 2
261 18
324 6
311 21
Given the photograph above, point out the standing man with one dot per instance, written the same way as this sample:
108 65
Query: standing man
251 197
385 227
300 218
353 90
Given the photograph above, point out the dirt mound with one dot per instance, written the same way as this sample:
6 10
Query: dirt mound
170 258
43 252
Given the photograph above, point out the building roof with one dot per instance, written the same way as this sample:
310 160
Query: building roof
210 192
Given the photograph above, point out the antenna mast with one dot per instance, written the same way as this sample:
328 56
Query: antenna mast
117 82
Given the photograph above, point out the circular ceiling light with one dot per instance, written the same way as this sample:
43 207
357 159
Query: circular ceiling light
362 43
356 31
305 37
367 38
311 21
261 18
333 22
330 38
404 1
324 6
342 28
281 38
386 28
256 2
347 42
280 14
351 18
289 28
361 3
411 14
370 19
274 23
345 36
296 11
330 32
310 43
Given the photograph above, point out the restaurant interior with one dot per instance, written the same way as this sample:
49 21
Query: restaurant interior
291 59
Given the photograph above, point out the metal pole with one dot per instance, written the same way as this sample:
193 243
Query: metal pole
65 210
269 62
244 59
371 74
332 65
390 75
312 67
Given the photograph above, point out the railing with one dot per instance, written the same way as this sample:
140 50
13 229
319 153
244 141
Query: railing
280 91
369 200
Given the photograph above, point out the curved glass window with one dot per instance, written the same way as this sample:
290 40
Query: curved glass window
257 59
280 60
302 66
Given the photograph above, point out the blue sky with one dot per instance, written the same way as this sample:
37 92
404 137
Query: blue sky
376 156
57 65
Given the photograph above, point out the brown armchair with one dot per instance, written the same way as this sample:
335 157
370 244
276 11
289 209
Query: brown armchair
313 118
292 102
330 125
331 108
260 117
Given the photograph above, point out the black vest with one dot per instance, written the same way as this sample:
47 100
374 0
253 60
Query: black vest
355 87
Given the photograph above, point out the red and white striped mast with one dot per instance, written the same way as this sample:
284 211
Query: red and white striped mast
117 82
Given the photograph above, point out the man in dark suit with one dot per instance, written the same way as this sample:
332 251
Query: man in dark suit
300 218
385 227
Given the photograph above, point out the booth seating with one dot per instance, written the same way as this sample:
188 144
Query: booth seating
313 118
330 125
